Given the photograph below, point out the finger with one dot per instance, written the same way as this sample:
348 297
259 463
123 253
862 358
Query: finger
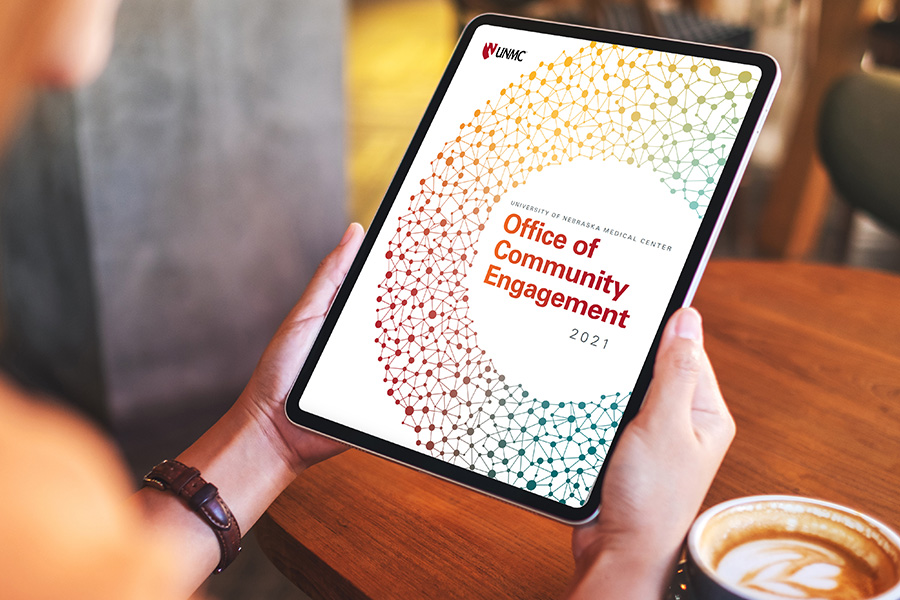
318 296
677 369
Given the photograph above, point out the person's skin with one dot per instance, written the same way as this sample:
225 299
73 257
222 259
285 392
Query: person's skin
654 486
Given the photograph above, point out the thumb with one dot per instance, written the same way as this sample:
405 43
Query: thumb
317 297
677 370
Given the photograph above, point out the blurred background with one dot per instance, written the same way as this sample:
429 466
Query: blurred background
157 226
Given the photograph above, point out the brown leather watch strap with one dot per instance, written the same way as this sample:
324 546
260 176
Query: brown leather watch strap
202 498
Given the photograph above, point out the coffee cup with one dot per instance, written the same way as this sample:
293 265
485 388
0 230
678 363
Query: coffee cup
788 548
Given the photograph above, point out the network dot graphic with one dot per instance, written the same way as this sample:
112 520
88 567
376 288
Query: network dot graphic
675 115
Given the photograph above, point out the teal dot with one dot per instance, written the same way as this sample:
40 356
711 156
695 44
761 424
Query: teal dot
492 473
592 450
531 484
562 404
693 205
676 175
524 394
581 405
490 454
542 421
709 180
545 404
614 405
571 419
501 401
501 444
614 424
695 162
521 453
721 161
554 473
602 442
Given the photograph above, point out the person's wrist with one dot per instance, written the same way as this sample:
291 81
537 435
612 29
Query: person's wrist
626 570
271 434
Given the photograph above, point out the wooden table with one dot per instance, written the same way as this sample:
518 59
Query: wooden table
808 358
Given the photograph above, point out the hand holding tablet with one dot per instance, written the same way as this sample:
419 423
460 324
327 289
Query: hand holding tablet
556 206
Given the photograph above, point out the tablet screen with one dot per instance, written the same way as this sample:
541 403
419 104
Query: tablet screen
527 255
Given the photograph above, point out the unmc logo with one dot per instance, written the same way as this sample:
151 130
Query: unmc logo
496 51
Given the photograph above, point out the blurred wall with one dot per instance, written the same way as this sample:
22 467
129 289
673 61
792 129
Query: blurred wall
167 217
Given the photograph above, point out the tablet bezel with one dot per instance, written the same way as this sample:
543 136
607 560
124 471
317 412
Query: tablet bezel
681 295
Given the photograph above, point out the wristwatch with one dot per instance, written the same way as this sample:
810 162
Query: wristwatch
204 500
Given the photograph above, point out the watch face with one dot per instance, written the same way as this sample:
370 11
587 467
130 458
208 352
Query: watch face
553 210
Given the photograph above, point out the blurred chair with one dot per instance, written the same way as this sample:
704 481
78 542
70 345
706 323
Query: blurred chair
859 142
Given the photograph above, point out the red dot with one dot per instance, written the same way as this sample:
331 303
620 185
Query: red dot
453 393
432 314
429 445
409 409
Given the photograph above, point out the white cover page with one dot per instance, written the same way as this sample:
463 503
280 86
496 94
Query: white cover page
512 295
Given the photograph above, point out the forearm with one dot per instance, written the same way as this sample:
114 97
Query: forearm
244 461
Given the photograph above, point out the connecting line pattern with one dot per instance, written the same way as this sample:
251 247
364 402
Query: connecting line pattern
675 115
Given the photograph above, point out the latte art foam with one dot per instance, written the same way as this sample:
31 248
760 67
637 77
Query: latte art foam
786 548
790 567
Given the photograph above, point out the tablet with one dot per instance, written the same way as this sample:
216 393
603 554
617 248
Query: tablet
557 204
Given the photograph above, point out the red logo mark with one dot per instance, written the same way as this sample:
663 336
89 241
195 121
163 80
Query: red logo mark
489 50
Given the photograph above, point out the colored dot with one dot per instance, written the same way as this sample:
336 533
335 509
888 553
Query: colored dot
745 76
635 116
693 205
715 71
